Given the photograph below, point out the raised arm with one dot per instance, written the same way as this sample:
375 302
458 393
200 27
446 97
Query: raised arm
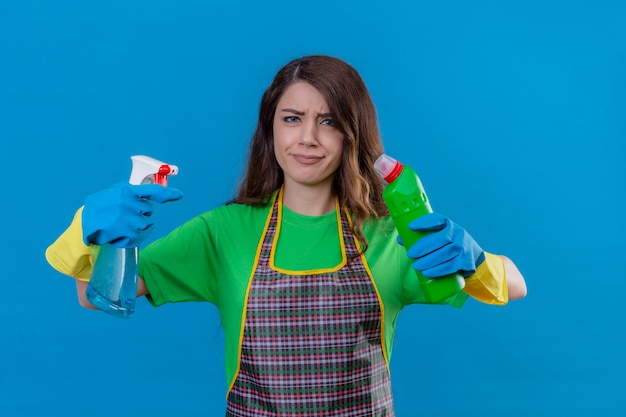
448 248
120 216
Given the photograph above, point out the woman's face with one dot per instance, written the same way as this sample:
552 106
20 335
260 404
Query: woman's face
307 144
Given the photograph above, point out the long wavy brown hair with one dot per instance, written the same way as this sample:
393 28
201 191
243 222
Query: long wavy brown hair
356 183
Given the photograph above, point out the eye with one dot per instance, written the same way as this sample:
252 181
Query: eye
291 119
328 121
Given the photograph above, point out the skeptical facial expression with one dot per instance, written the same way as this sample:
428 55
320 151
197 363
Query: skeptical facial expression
307 144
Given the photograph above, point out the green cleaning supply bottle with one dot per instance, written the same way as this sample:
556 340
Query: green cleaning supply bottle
113 283
406 199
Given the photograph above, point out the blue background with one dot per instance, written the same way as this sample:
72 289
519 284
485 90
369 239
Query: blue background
513 113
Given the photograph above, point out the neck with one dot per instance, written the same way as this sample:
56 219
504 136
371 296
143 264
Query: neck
310 201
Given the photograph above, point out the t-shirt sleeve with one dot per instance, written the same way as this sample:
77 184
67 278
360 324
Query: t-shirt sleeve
182 266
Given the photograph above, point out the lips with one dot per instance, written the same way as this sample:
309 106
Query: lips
307 159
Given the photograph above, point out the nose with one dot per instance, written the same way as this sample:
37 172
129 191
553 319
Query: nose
308 134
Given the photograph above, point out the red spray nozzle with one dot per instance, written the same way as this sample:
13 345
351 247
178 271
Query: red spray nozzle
149 170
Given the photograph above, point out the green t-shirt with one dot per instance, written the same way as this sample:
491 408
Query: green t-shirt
212 257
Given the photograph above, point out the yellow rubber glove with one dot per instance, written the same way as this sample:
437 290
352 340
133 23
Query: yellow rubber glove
69 255
488 283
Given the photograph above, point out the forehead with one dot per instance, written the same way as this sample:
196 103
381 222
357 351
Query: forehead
302 95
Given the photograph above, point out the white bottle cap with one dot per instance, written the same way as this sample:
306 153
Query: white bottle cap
388 168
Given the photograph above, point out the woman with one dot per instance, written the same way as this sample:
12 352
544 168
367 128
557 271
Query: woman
303 264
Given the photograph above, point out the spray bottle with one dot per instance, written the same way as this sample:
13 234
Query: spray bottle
406 199
113 284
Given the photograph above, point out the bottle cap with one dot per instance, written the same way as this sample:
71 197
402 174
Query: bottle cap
388 168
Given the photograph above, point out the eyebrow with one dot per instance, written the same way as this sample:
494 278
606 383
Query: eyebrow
301 113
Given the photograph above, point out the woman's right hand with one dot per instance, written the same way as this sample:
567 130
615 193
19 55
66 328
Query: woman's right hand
120 214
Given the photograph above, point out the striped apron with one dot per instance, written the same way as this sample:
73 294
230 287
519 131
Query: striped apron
311 343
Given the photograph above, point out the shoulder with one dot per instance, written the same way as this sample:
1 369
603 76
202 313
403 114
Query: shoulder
387 260
382 242
379 229
218 224
235 212
231 217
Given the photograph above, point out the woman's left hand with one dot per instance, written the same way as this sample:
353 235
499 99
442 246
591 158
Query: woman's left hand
446 249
